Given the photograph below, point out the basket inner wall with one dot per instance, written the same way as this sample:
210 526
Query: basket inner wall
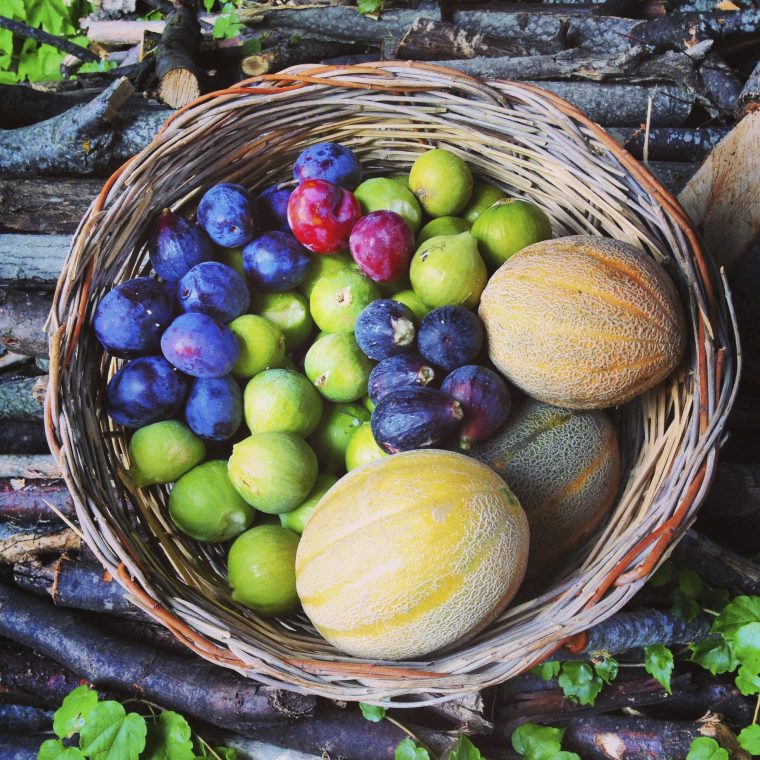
517 143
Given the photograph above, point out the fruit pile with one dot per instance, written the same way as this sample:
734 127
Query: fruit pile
320 327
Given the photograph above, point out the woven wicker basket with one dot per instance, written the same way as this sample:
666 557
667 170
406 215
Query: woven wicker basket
532 144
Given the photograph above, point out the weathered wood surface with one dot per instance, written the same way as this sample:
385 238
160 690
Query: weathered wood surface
23 313
22 398
27 501
179 77
29 466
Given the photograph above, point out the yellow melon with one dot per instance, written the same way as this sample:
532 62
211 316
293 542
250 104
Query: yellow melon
564 467
411 553
583 322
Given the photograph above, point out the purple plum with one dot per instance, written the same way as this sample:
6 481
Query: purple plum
227 213
329 161
176 246
198 345
214 289
272 208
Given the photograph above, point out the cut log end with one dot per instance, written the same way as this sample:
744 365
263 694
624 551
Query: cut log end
178 87
256 65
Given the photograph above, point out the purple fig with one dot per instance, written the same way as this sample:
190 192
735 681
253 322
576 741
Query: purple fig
399 371
385 328
176 246
485 399
450 336
414 418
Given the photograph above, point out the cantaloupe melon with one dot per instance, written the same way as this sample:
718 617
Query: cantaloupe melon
564 467
583 322
411 553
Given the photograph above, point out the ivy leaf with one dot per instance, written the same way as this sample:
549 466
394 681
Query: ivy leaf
15 9
370 7
408 750
375 713
251 47
96 67
747 646
706 748
749 739
8 77
714 654
747 682
226 27
690 584
658 662
536 742
580 683
53 749
684 607
546 670
465 750
607 669
51 15
39 64
75 709
208 5
738 612
169 739
6 48
662 575
715 599
226 753
110 734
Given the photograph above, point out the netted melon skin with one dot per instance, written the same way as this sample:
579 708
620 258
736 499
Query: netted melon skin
409 554
564 467
583 322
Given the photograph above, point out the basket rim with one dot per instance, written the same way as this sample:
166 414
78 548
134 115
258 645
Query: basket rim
661 540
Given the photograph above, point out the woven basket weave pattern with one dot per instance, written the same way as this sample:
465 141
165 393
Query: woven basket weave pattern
528 142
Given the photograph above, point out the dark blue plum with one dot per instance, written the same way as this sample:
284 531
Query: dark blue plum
177 245
272 208
145 390
399 371
450 336
200 346
414 418
130 318
214 408
275 262
227 212
329 161
214 289
385 328
485 399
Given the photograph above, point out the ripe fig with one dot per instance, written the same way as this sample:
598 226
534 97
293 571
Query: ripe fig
485 398
450 336
400 371
384 328
414 418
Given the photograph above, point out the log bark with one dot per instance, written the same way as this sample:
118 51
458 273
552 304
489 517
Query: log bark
23 314
115 664
23 437
430 40
671 144
22 398
179 78
672 175
72 143
684 30
285 54
721 86
31 679
23 719
76 584
749 97
32 261
717 566
25 502
13 747
24 543
34 466
52 205
615 737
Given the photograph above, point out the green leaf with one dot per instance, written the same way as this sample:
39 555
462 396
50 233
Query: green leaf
690 583
226 27
208 5
565 755
714 654
579 682
152 16
606 669
658 662
8 77
408 750
747 682
169 739
536 742
747 646
738 612
251 47
95 67
6 48
684 607
706 748
749 739
53 749
41 64
111 734
50 15
662 575
75 709
716 599
465 750
226 753
370 6
546 670
375 713
14 9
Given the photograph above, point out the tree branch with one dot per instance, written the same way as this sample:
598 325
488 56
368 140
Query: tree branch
59 43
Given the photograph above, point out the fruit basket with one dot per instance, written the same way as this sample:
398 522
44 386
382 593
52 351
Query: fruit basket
533 145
